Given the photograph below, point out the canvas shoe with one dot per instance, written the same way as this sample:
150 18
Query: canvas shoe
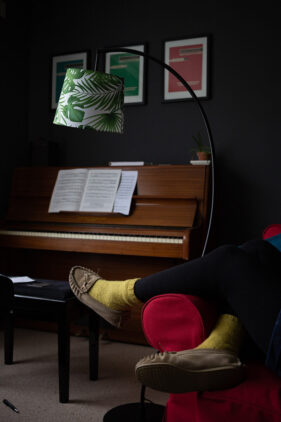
81 280
190 370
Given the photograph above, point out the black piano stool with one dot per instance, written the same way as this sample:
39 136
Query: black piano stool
53 301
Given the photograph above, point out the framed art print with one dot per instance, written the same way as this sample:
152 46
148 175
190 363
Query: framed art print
60 64
189 58
130 67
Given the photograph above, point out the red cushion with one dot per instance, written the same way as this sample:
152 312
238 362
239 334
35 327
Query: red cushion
271 231
187 325
174 322
177 322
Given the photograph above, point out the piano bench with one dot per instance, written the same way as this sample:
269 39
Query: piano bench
53 301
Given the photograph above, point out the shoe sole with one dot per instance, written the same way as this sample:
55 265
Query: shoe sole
171 379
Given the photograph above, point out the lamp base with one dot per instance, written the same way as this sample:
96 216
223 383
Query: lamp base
137 412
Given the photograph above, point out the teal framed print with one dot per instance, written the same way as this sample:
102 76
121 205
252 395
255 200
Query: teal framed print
130 67
60 64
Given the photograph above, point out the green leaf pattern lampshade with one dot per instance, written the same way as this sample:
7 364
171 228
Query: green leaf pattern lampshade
91 99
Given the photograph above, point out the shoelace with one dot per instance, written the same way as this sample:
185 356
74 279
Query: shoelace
160 355
86 282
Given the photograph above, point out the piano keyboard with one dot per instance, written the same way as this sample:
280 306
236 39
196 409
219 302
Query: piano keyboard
95 236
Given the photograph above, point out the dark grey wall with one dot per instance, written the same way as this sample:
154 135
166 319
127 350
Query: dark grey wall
14 76
243 109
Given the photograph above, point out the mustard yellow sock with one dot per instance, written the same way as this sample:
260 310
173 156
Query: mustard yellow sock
227 334
117 295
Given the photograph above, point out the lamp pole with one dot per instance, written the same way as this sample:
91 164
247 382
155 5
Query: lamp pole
150 412
202 112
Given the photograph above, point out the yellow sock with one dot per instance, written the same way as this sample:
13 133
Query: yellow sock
117 295
227 334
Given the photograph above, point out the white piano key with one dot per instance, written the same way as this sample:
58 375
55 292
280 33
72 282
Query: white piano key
96 236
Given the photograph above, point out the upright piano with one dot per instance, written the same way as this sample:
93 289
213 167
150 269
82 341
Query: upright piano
166 226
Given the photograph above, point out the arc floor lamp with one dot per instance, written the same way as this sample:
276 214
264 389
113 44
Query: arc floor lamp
92 99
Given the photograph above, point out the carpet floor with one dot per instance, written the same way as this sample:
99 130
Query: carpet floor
31 383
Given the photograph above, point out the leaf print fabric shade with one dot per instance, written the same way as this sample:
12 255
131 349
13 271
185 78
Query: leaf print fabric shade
91 100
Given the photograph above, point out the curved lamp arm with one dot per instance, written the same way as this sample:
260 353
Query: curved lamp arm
201 109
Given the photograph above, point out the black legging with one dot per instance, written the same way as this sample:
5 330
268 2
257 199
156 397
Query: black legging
245 280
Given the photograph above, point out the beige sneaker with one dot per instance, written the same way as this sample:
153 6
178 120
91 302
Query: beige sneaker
190 370
81 280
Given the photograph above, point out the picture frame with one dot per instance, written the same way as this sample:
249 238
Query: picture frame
132 69
60 64
190 58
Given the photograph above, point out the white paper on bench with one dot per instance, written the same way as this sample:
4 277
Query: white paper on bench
19 279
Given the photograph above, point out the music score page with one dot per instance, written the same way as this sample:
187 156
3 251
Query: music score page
96 190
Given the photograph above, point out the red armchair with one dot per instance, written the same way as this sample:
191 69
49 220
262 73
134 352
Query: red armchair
174 322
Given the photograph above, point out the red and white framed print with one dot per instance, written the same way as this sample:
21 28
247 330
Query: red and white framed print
188 57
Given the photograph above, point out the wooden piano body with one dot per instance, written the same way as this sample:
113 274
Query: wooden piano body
166 226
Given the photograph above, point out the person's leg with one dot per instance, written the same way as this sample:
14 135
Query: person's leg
245 280
229 274
205 277
255 295
194 277
197 277
111 299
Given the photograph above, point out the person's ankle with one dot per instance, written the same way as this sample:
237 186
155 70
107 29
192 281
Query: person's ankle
117 295
228 334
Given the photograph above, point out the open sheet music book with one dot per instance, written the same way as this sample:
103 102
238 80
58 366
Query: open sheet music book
93 191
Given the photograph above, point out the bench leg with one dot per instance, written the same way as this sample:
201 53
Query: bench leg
63 356
93 345
8 337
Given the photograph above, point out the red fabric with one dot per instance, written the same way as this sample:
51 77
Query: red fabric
271 231
186 329
256 399
177 322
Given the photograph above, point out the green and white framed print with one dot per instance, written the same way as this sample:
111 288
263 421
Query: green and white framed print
91 99
60 64
131 68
